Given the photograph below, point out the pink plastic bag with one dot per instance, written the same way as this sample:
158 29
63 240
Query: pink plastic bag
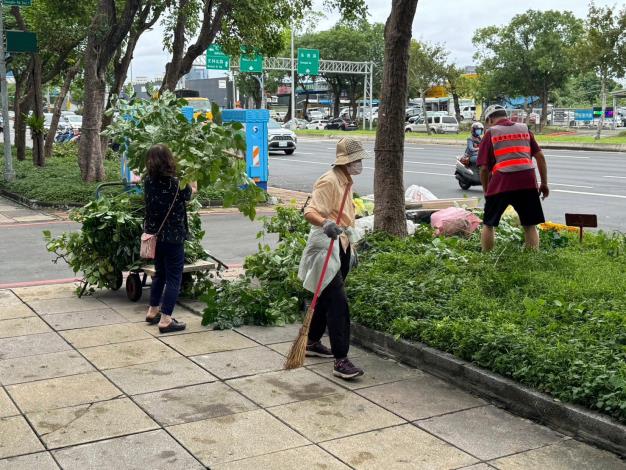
453 221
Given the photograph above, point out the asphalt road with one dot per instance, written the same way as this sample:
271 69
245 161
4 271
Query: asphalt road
580 181
229 237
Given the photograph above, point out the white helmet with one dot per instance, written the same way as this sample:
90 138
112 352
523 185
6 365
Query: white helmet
493 109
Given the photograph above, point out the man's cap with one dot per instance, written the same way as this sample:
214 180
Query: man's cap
350 150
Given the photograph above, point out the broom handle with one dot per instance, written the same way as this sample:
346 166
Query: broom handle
330 251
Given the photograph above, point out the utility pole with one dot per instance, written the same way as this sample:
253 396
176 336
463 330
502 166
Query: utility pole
293 77
9 173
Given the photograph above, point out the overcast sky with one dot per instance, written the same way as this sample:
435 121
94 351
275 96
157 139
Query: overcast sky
451 22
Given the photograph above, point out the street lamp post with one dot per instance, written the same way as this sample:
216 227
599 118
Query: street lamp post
9 173
293 77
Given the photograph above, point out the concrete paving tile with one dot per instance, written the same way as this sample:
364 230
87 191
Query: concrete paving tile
7 297
420 397
7 408
401 447
192 321
86 319
78 424
378 371
565 455
54 291
45 366
240 362
18 310
133 312
40 461
34 218
110 356
478 466
6 220
489 432
284 348
193 344
235 437
154 450
119 300
65 305
193 403
22 327
62 392
106 334
17 437
285 386
309 457
32 345
160 375
334 416
270 334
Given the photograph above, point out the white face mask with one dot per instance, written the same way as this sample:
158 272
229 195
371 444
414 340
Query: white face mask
355 168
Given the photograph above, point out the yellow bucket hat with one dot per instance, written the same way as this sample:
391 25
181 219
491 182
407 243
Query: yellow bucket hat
350 150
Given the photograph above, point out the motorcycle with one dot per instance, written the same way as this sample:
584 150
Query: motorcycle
467 172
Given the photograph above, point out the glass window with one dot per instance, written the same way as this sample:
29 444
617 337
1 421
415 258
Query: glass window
449 120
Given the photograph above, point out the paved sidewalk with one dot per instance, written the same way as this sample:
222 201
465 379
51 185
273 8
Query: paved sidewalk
12 213
86 384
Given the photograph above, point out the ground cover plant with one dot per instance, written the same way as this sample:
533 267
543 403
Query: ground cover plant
554 320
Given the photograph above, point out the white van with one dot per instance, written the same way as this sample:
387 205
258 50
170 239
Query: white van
468 112
437 124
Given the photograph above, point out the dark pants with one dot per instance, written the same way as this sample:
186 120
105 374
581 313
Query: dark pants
169 262
332 310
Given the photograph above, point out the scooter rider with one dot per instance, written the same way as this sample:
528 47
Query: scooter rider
473 142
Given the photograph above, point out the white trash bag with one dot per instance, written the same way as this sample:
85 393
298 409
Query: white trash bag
415 193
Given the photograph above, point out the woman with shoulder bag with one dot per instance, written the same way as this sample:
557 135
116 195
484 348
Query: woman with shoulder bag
165 221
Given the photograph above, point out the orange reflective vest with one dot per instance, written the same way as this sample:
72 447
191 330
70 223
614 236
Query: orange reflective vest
511 147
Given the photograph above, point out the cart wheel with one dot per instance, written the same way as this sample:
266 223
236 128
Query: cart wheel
134 288
119 280
464 185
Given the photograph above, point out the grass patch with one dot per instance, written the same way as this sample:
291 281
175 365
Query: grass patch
59 181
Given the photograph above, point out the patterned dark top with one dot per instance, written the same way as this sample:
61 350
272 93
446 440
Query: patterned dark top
159 194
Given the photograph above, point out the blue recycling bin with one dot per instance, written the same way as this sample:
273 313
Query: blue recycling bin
255 123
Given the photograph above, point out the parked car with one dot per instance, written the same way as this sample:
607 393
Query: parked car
318 124
296 124
412 111
342 124
468 112
437 124
74 121
47 121
280 139
314 114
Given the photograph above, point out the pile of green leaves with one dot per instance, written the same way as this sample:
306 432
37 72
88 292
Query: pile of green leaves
553 320
210 153
270 292
59 181
108 242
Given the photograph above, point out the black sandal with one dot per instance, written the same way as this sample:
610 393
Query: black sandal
175 325
155 320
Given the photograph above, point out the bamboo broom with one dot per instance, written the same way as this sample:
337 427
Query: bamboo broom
297 352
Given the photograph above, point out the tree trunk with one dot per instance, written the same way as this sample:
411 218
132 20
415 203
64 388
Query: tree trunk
22 108
38 152
457 106
389 209
601 123
425 111
91 160
544 109
56 112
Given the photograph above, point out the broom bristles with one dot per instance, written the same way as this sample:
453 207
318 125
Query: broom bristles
295 358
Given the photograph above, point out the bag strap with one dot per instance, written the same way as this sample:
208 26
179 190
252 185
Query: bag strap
169 210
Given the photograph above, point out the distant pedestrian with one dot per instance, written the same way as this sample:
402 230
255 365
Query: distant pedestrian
166 214
332 309
508 176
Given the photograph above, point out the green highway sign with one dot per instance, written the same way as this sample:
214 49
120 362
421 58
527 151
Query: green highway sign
308 61
216 59
251 63
21 41
19 3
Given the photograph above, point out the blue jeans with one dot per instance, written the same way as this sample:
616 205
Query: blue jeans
169 262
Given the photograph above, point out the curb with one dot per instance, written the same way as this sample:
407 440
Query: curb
459 143
34 203
573 420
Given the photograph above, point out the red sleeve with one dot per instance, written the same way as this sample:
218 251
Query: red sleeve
485 151
534 146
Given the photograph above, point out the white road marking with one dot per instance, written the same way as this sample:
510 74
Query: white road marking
570 185
618 196
616 177
414 148
568 156
428 163
304 153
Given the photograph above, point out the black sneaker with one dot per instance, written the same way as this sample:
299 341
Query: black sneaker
174 325
346 370
317 349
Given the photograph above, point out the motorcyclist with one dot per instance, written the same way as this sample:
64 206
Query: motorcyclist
473 142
